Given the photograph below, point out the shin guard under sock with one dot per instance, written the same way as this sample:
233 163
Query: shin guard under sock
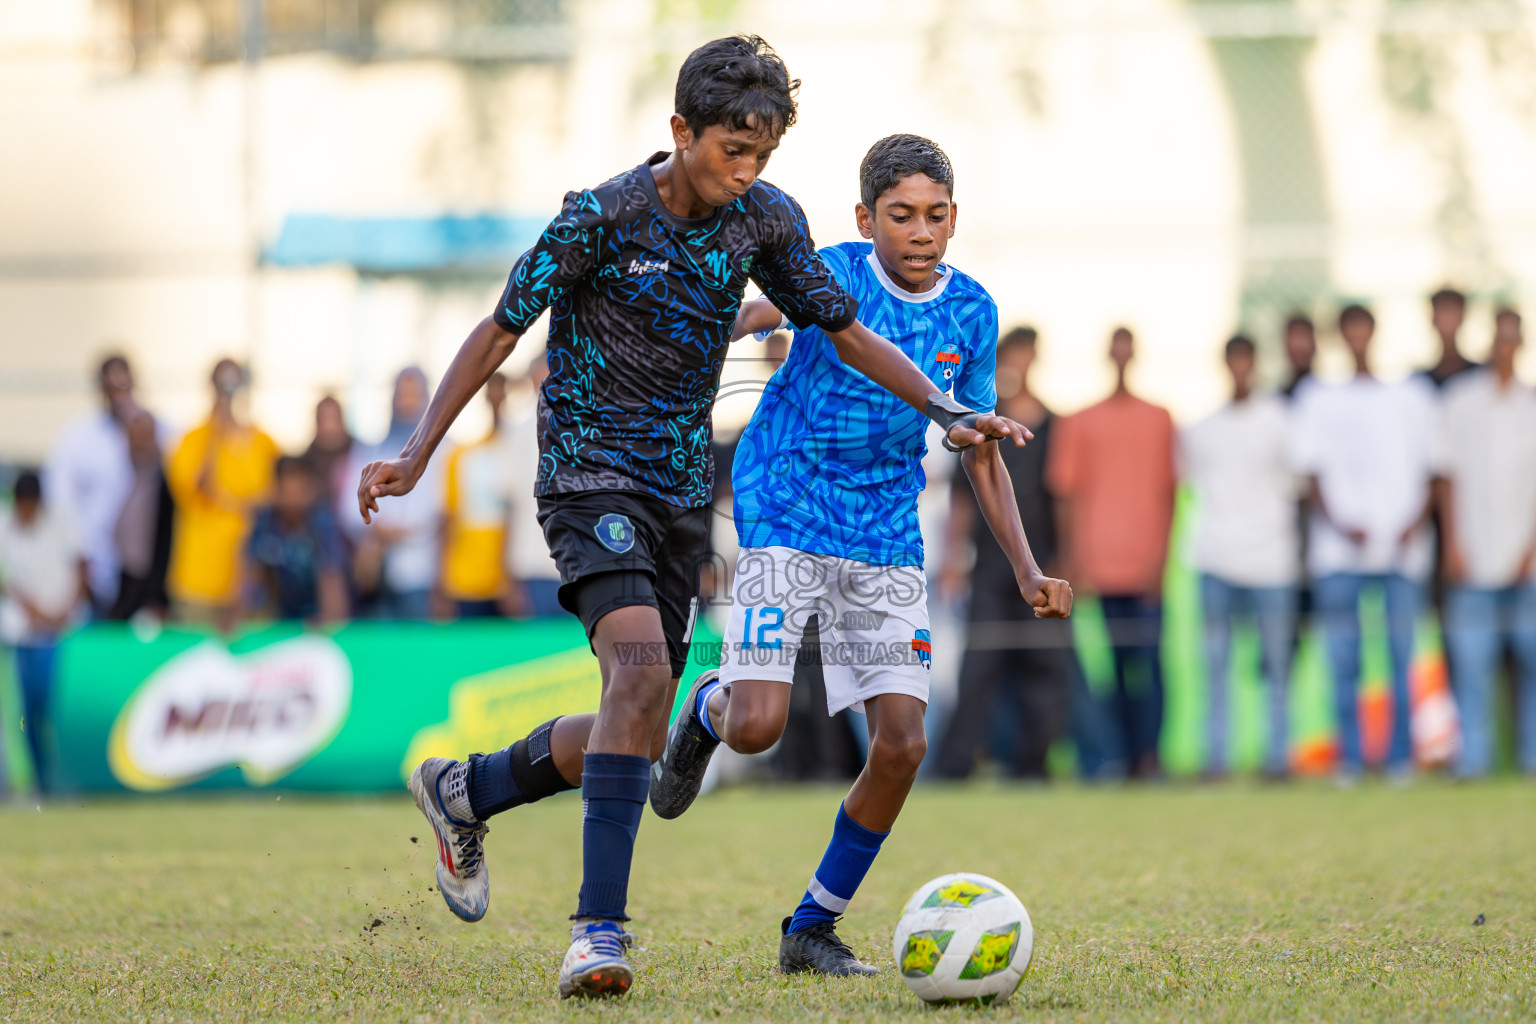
614 788
844 865
523 773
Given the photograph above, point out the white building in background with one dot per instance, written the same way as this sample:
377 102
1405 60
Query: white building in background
1099 151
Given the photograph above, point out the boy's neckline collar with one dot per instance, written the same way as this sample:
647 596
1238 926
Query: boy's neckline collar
901 293
648 182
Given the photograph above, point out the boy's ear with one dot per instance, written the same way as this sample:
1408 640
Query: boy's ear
865 219
682 135
954 214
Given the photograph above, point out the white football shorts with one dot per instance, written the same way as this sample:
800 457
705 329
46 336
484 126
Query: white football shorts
872 621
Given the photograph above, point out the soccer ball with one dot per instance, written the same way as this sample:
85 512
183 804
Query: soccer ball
964 938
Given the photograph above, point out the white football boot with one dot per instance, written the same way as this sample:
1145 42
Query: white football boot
462 877
596 966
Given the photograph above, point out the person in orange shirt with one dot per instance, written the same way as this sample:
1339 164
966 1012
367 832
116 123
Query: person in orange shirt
477 503
1111 468
219 475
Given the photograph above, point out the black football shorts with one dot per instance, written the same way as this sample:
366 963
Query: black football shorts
615 549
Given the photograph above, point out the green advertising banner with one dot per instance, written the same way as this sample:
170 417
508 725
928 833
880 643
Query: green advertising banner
352 710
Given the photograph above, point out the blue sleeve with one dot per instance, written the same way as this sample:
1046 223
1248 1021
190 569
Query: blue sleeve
564 254
328 540
977 386
795 278
837 260
260 530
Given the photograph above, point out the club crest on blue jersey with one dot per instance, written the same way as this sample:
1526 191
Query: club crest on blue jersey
924 647
615 532
949 361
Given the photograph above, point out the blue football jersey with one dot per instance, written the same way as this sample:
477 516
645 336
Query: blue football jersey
831 462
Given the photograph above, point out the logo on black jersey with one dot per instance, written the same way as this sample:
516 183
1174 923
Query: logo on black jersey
636 262
615 532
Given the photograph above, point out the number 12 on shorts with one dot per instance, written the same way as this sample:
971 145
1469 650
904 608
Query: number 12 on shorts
769 620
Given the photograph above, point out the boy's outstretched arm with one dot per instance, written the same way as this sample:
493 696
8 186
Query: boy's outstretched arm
1051 598
891 368
486 348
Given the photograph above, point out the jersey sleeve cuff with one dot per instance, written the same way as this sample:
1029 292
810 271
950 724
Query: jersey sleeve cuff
505 322
841 323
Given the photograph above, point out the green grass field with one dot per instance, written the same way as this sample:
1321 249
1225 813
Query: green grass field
1236 903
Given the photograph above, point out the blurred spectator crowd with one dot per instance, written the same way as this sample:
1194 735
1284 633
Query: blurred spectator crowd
217 526
1308 497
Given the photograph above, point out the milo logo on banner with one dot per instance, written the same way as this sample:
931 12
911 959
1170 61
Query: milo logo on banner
206 709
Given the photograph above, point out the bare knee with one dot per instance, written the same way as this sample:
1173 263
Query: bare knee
898 753
637 694
751 731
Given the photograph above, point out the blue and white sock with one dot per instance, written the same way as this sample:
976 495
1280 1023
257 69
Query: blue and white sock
614 788
701 705
844 865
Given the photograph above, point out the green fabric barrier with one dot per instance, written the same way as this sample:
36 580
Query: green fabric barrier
15 763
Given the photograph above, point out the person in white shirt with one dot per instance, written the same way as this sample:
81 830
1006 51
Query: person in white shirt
1246 548
89 475
397 558
1488 508
42 586
1369 449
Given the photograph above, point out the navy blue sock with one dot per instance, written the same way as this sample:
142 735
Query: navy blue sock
614 788
844 865
523 773
491 786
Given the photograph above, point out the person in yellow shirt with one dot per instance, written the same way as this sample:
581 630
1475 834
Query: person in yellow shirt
476 504
219 475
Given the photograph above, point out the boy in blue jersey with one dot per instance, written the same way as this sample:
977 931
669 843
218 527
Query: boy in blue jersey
644 277
827 476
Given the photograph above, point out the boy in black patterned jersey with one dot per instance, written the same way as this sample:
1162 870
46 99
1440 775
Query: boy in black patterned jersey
644 277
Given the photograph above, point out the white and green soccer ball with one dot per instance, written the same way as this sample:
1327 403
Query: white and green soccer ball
964 938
